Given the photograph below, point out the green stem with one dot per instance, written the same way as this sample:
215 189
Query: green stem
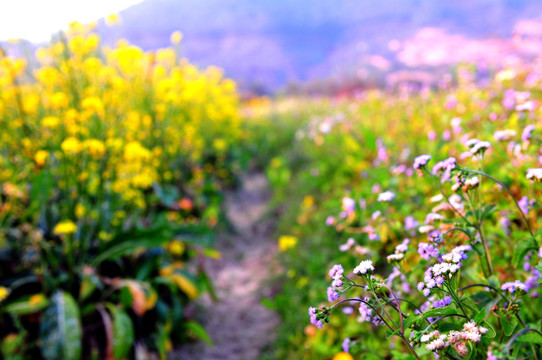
486 250
456 299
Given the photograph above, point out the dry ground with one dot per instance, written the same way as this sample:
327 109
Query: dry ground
238 324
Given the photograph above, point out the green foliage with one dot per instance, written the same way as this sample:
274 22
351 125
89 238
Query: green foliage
61 331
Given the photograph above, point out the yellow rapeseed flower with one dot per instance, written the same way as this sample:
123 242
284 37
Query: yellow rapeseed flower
343 356
176 248
65 227
80 210
4 292
71 145
95 148
40 157
286 242
176 37
112 19
308 201
50 122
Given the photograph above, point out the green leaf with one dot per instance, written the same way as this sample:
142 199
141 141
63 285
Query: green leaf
199 331
488 210
123 332
531 337
480 316
468 302
42 187
491 332
268 303
27 305
168 194
154 237
509 324
130 241
60 330
448 310
206 281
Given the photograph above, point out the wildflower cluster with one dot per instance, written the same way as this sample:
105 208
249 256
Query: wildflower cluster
400 251
435 341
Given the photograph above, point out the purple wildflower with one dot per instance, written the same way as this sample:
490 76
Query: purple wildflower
421 161
332 294
514 286
349 204
524 205
526 135
336 271
427 251
346 345
410 223
447 300
314 318
364 312
386 196
445 168
432 217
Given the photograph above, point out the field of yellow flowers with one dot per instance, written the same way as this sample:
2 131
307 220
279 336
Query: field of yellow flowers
112 164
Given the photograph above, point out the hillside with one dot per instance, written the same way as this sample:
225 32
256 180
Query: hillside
269 43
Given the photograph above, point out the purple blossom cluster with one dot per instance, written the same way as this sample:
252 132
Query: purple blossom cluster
336 273
349 204
437 274
366 314
434 236
504 135
421 161
477 147
447 300
364 267
313 314
525 204
427 251
386 196
457 339
432 217
444 168
527 133
515 287
400 251
410 223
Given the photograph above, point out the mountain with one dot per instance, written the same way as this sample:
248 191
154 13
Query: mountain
268 43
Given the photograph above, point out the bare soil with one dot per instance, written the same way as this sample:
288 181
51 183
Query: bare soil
239 325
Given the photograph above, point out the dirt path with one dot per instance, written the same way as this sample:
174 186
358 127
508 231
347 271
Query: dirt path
238 324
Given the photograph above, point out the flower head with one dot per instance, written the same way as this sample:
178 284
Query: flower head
527 131
65 227
364 267
421 161
444 168
314 315
534 174
386 196
504 135
348 204
515 287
